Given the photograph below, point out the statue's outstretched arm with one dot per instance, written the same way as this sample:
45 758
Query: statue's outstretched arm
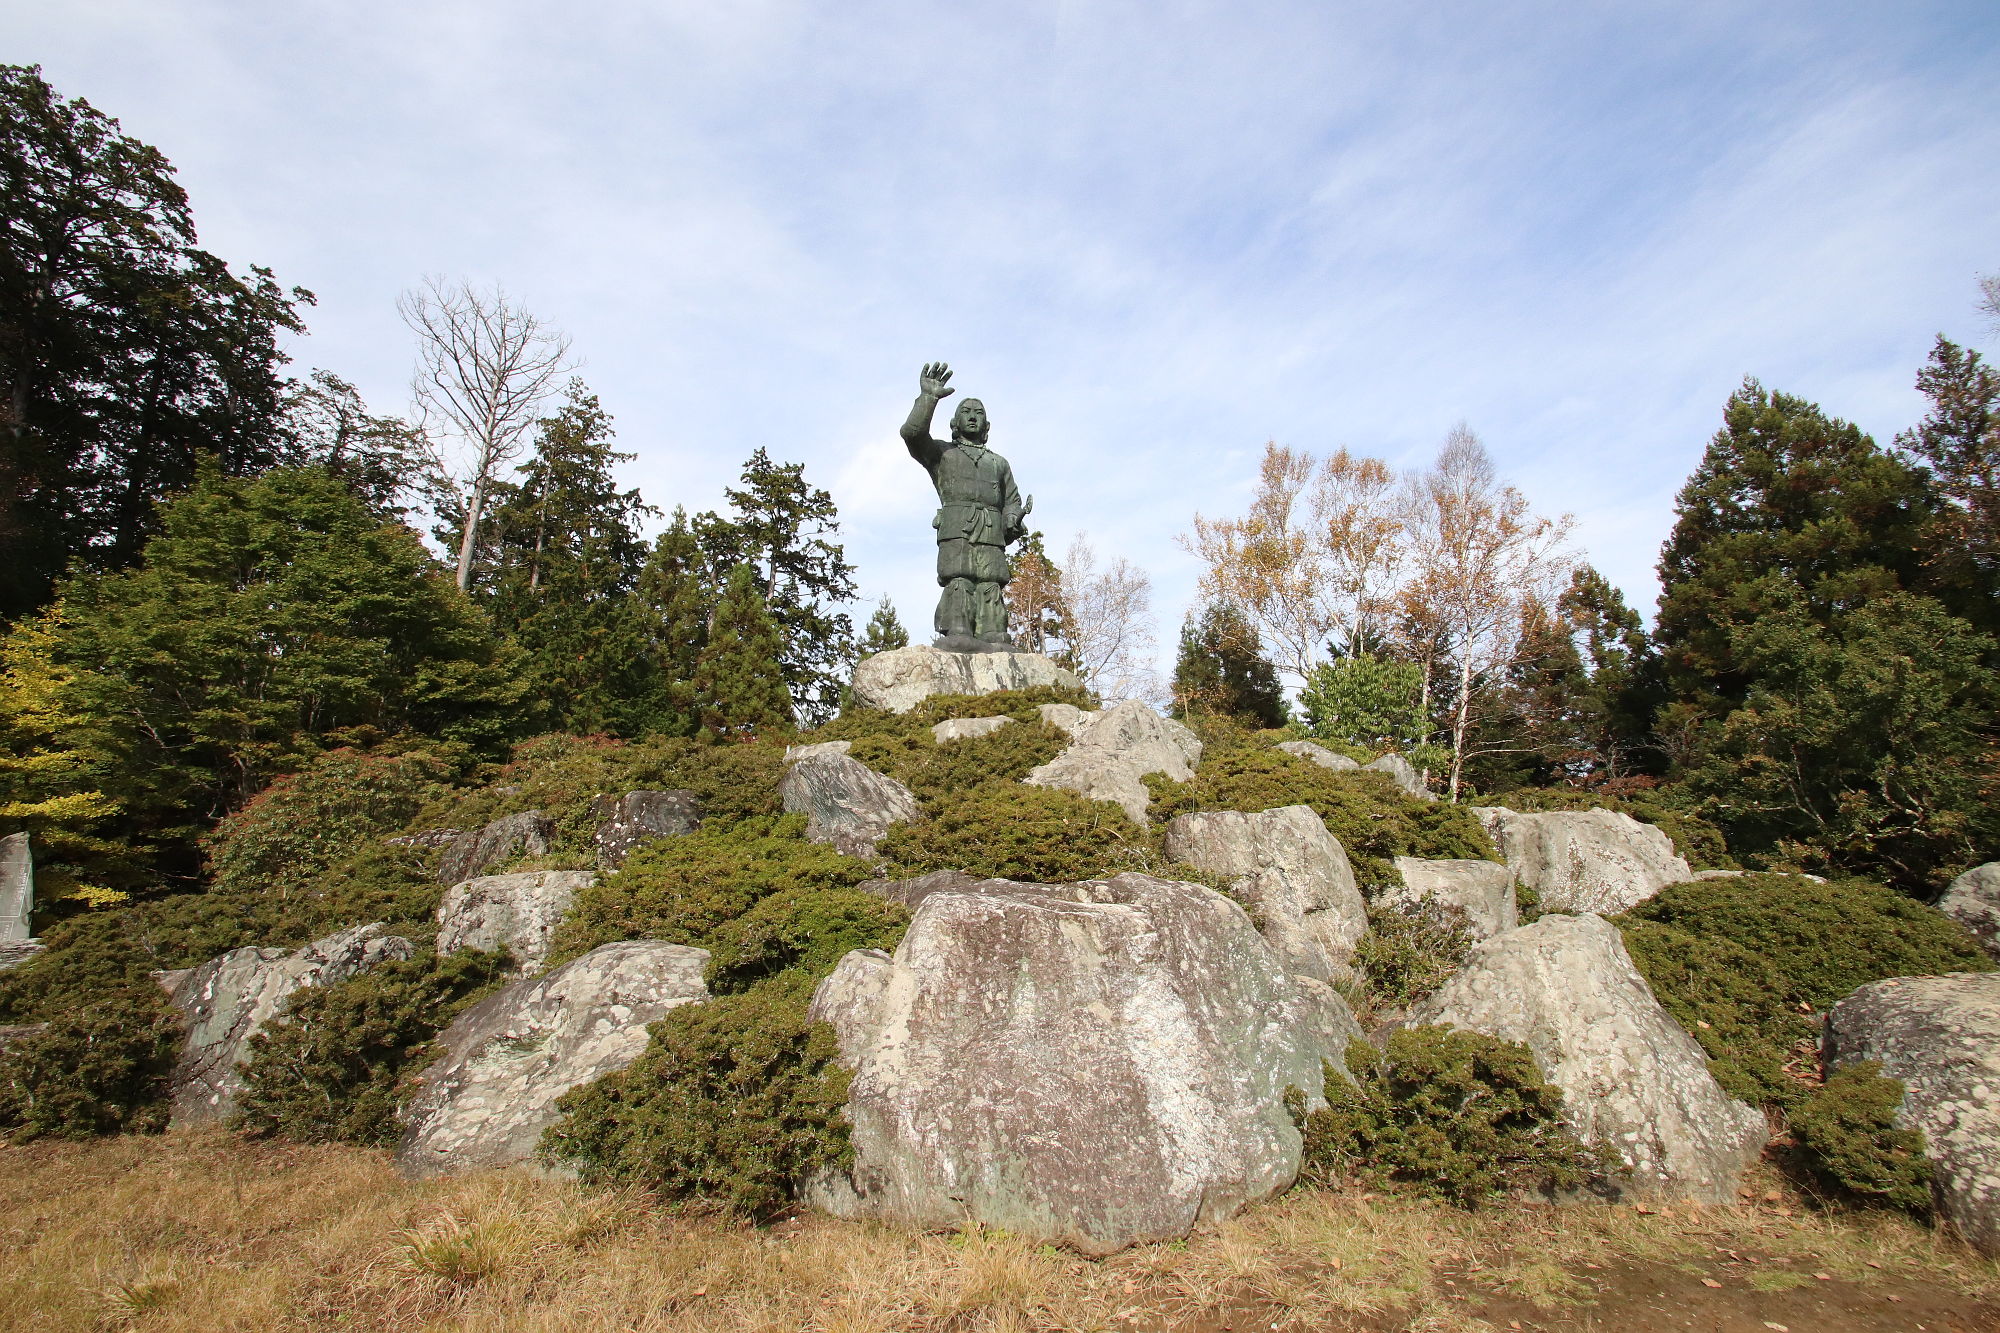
933 387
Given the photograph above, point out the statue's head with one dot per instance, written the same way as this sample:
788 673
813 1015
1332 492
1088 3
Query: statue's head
969 421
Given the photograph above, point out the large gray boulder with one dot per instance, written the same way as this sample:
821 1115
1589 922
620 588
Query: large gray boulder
638 817
517 913
849 806
1633 1081
1067 717
1483 890
1585 860
1941 1036
1099 1063
229 999
469 855
902 678
17 889
1292 874
1320 755
910 892
965 728
1973 900
1115 751
487 1099
1403 772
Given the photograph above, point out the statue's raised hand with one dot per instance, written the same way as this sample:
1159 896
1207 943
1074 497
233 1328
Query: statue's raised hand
933 379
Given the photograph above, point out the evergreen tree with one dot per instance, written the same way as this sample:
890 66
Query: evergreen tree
568 557
1960 439
1221 672
780 527
1788 507
885 633
739 679
675 603
1037 616
270 619
126 353
326 425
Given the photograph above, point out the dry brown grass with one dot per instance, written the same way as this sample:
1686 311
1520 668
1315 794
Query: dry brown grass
208 1232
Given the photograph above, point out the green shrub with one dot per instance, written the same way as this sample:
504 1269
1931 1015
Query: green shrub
302 824
1455 1115
1698 841
331 1068
1008 830
940 776
1731 1001
859 724
806 930
1821 940
681 889
98 1068
1410 952
1848 1140
1374 819
736 1101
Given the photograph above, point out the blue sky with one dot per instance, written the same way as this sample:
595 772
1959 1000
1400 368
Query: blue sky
1149 236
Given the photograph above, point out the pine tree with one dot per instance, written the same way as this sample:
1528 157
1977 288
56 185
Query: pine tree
739 678
675 602
1220 672
1037 618
1960 439
781 528
885 633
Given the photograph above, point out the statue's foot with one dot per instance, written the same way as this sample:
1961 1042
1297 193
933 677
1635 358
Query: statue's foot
966 643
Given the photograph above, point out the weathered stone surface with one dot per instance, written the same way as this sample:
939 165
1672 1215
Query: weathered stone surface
1973 900
1483 890
1941 1036
1404 773
17 888
517 913
487 1099
1066 717
639 816
794 753
1113 753
1320 755
1099 1063
436 837
849 805
472 854
910 892
1585 860
229 999
964 728
902 678
1293 875
13 953
1633 1081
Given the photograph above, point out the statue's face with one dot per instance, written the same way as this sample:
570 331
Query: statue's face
970 420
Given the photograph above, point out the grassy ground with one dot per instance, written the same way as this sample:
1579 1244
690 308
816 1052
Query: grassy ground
204 1231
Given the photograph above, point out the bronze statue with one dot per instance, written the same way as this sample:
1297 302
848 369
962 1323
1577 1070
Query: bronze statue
980 513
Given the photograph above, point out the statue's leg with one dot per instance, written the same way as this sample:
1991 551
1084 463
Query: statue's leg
989 595
955 606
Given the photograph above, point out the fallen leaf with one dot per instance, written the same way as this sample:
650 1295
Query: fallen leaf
1781 1328
1824 1277
1710 1282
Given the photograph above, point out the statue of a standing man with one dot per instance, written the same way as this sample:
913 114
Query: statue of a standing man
979 514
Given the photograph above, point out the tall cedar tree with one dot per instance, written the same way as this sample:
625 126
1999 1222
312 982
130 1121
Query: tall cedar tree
126 353
270 619
739 679
1960 439
325 424
568 555
675 602
1221 672
885 633
780 527
1791 508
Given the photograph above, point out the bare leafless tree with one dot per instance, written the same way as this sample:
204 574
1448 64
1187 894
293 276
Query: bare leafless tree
484 368
1989 299
1110 624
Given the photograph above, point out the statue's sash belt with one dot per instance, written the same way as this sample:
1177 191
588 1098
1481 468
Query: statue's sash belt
976 523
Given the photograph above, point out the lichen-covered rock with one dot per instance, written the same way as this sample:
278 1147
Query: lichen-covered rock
1292 874
849 806
517 913
1483 890
902 678
1066 717
1403 771
1973 900
229 999
794 753
640 816
13 953
964 728
470 855
1633 1081
487 1099
1099 1063
1111 756
1320 755
17 889
910 892
1585 860
1941 1037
